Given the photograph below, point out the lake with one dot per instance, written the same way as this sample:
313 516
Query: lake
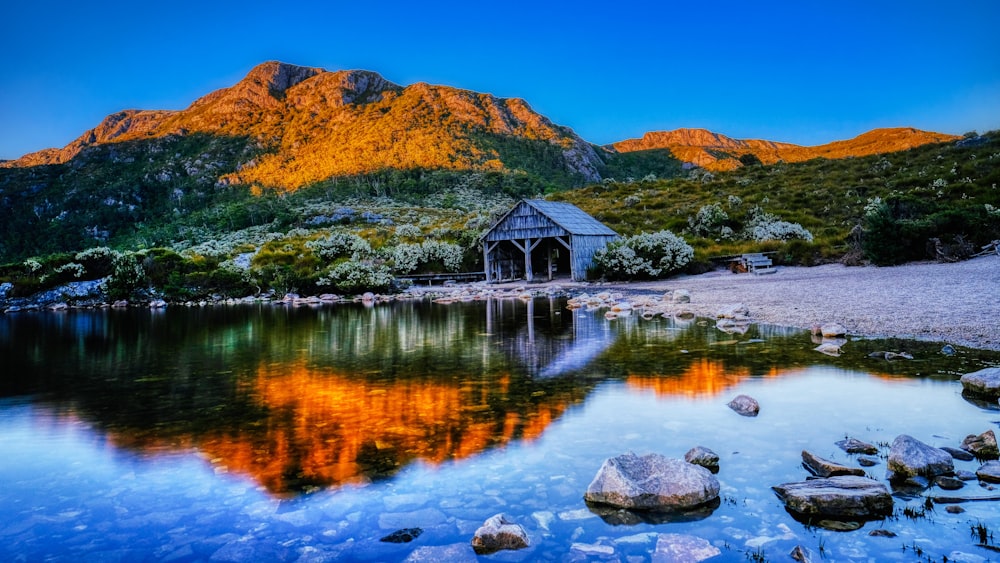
271 432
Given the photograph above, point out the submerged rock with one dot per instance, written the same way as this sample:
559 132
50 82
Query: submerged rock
983 446
498 533
837 497
985 382
672 548
745 405
826 468
828 348
960 455
989 472
909 457
883 355
651 482
948 483
855 446
801 554
405 535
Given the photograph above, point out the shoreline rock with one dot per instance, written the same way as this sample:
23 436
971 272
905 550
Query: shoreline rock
841 497
982 383
651 482
827 468
911 458
983 446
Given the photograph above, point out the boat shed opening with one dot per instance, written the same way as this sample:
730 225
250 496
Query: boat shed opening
540 239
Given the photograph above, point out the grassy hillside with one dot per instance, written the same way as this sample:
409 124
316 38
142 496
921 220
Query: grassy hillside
939 190
175 228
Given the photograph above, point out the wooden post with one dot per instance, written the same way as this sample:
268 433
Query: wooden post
548 254
486 260
527 260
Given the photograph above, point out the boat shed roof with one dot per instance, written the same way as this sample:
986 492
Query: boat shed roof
536 218
570 217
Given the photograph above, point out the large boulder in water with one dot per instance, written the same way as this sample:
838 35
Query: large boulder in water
909 457
985 382
846 496
651 482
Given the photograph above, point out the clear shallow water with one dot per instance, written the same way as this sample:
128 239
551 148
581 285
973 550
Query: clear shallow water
308 434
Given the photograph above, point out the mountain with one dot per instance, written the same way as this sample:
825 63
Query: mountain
307 137
311 125
719 153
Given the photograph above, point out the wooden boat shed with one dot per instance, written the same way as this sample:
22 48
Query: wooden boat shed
546 237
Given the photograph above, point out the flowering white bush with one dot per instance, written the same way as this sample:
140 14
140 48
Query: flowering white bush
779 230
77 270
97 253
709 220
646 255
357 277
618 260
408 231
224 245
32 265
409 257
761 226
338 245
406 257
874 205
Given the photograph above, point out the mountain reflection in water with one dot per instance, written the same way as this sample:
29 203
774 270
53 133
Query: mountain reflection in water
305 398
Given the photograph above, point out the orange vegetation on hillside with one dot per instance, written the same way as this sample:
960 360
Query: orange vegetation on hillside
721 153
314 125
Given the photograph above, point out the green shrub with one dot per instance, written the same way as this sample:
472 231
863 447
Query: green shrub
126 276
901 229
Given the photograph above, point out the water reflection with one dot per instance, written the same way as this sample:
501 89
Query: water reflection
324 427
306 398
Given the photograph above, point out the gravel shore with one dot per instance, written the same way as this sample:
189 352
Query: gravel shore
956 303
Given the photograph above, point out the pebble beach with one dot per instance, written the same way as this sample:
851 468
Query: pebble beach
956 303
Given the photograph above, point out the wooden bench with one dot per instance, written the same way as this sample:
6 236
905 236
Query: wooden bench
757 263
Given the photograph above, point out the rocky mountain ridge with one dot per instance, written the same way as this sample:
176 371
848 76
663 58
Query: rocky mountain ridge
718 152
310 125
313 125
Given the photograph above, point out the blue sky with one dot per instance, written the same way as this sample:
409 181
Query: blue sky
801 72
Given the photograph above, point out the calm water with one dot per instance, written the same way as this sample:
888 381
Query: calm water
271 433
